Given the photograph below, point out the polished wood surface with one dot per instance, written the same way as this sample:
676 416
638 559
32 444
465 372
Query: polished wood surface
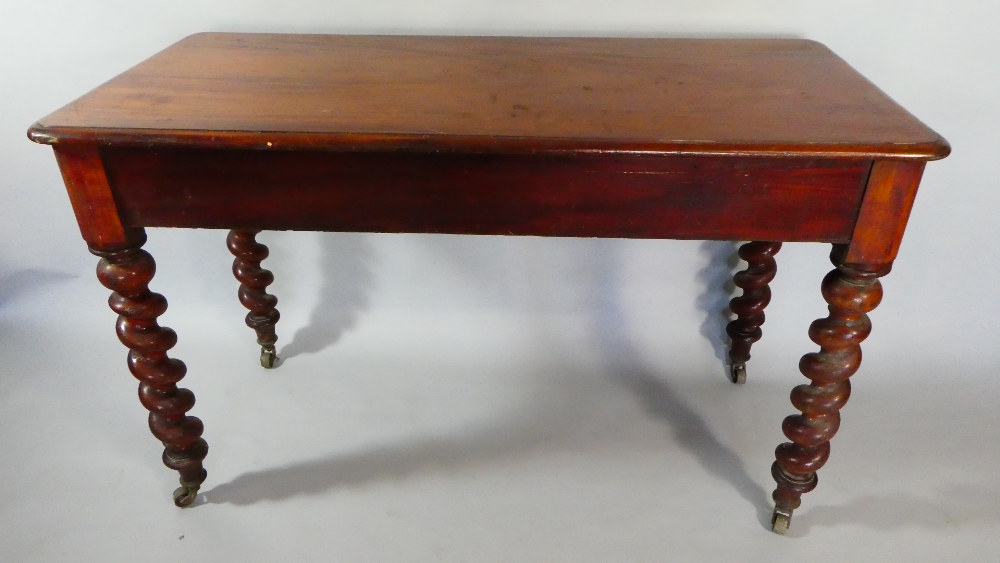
749 307
892 188
90 194
762 140
497 94
127 272
253 290
850 293
690 197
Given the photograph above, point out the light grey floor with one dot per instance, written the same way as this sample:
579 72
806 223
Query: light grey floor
433 406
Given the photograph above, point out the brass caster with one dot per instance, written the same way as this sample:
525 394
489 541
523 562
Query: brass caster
267 358
738 373
780 521
185 494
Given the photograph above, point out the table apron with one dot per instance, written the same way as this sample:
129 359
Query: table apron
589 195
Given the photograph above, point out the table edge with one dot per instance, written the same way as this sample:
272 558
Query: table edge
933 149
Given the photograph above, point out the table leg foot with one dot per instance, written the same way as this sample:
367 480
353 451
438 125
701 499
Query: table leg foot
267 357
749 307
185 495
780 521
253 295
738 372
127 272
851 291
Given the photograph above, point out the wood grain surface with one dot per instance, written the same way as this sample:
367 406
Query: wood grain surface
497 94
687 197
892 188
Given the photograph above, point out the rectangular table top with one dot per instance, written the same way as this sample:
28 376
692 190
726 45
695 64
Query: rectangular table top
497 94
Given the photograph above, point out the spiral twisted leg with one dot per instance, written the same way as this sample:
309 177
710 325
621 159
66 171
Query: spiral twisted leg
253 295
127 273
851 291
749 307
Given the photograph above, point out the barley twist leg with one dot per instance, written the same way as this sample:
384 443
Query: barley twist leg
253 295
127 272
749 307
851 290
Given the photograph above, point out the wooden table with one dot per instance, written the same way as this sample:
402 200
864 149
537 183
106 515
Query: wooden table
767 141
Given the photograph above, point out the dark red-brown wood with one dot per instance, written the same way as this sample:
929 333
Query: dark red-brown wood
127 272
96 212
735 139
851 291
253 290
498 94
892 187
586 195
749 307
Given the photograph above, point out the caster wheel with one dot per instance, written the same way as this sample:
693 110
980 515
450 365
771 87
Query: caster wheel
267 358
780 521
738 373
185 495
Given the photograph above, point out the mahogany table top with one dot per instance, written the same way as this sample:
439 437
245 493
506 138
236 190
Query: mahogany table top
497 94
